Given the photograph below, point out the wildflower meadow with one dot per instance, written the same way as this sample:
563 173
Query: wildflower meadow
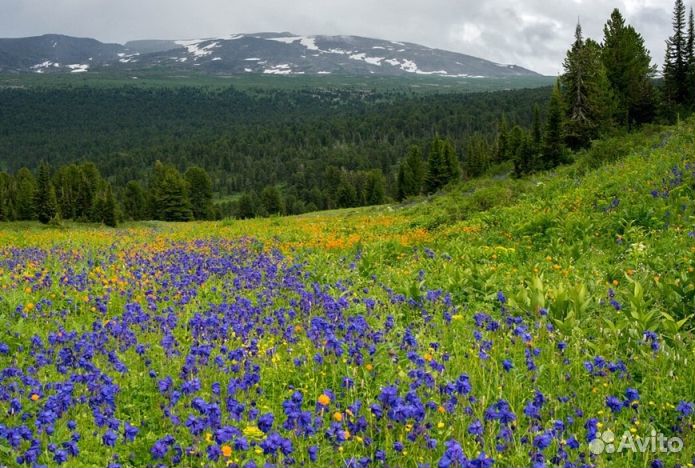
545 325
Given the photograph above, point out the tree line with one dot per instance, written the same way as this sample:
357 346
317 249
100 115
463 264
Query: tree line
260 153
605 87
317 149
79 192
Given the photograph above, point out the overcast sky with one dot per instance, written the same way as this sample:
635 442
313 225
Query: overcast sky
531 33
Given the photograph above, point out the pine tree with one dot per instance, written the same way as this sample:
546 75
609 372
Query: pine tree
586 91
553 139
7 212
4 198
523 150
411 174
629 71
346 194
676 60
375 188
109 214
134 201
200 188
443 165
45 204
478 156
65 181
691 58
247 206
89 182
536 132
502 150
169 192
271 200
25 190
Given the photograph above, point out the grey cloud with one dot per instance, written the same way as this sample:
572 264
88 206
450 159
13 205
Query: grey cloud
531 33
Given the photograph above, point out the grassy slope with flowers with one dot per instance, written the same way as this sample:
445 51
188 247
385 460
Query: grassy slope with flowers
502 324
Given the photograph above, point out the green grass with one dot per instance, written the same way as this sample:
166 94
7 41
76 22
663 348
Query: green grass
588 257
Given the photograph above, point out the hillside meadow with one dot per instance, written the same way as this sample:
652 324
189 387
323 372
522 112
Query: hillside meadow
503 323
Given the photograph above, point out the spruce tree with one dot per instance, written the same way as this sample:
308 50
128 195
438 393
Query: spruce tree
629 71
478 157
169 192
45 204
691 59
553 139
109 214
6 205
346 193
88 185
443 165
25 191
523 150
247 206
271 200
200 189
536 132
676 60
4 200
586 91
67 186
502 150
375 188
134 201
411 174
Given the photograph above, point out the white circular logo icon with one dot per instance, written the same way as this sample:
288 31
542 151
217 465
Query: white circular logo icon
602 443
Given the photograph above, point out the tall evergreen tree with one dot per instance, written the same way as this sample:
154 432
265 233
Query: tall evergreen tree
65 189
586 92
4 197
524 151
200 189
502 150
553 139
88 185
110 217
411 173
478 156
536 132
629 71
25 190
346 193
104 209
7 188
247 206
691 58
676 60
45 204
442 165
134 201
271 200
375 188
169 192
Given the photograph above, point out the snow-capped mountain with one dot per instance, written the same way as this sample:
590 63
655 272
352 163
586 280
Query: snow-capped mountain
263 53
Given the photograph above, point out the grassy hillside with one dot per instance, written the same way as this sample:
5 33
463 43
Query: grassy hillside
504 323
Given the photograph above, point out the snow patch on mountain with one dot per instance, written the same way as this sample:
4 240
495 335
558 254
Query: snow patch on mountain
194 47
78 68
283 69
370 60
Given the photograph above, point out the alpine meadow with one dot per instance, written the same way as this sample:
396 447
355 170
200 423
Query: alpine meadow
276 250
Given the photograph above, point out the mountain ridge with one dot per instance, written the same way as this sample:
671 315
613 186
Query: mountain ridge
275 53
